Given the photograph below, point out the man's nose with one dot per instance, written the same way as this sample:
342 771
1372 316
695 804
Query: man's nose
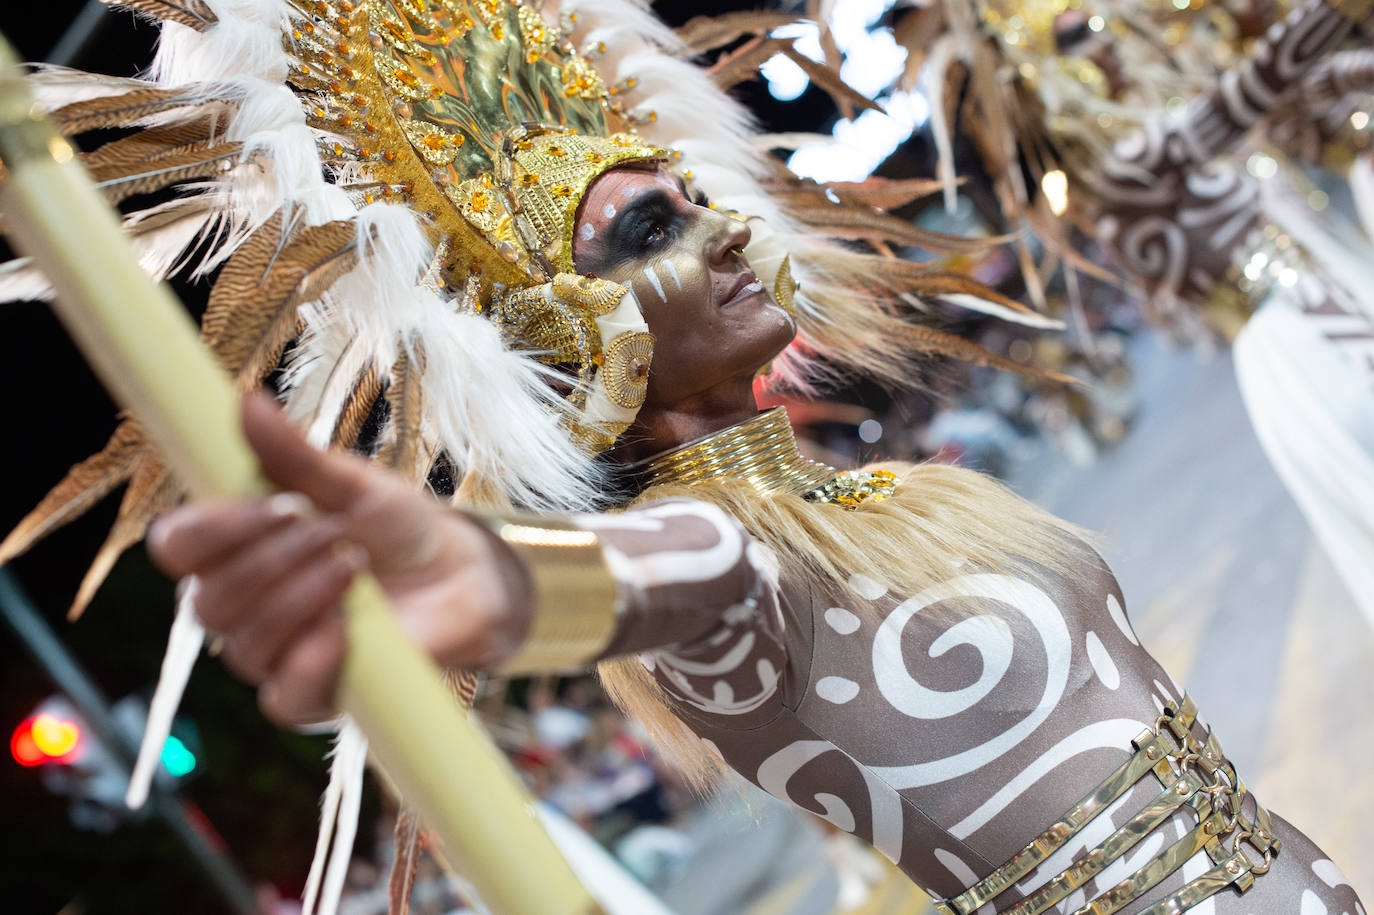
727 238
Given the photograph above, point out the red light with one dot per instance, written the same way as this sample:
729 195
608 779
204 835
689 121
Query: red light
45 738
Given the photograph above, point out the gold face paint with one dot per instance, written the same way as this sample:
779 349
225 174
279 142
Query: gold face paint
712 319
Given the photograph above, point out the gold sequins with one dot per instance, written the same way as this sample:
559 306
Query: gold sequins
625 374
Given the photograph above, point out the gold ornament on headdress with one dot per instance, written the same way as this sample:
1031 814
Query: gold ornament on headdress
482 115
594 328
478 112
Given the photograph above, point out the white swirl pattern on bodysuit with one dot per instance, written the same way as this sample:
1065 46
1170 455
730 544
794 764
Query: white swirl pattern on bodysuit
670 566
884 803
722 700
1116 732
907 696
811 749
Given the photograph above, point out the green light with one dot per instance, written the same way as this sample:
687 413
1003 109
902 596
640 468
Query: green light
176 758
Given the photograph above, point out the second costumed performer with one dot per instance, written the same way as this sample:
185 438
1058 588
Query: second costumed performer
911 652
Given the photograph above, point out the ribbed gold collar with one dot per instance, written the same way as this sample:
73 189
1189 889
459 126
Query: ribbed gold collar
761 450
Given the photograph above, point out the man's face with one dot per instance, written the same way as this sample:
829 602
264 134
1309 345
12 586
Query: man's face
711 318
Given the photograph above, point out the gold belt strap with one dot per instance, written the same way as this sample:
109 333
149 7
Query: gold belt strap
1151 752
1156 869
1209 884
1193 772
1121 841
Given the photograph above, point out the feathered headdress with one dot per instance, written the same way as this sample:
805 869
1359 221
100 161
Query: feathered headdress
384 191
371 183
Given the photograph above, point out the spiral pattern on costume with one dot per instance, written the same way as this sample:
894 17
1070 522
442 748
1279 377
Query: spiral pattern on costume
1307 38
723 673
995 643
885 806
1157 248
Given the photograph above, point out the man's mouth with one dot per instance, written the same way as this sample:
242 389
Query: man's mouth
747 285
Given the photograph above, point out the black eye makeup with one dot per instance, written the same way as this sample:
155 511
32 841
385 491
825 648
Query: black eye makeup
651 221
648 224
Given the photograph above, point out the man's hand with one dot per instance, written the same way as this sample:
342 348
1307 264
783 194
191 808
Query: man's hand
270 573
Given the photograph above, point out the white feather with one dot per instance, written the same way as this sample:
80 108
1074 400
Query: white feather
983 306
183 647
161 251
339 817
22 281
247 40
52 86
491 409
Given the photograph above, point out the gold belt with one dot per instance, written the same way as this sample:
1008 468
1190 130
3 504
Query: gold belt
1195 774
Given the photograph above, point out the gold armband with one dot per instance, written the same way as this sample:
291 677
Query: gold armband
574 594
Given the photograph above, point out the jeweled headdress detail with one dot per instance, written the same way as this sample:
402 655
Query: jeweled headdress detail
486 116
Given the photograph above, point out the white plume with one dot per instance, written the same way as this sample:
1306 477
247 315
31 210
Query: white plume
492 410
53 86
183 647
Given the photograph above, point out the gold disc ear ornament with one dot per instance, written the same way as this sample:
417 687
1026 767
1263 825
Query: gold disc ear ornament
785 287
625 374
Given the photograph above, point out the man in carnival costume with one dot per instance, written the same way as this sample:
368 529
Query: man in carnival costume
507 284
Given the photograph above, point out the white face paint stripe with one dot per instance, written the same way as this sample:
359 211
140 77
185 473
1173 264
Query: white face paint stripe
658 287
672 271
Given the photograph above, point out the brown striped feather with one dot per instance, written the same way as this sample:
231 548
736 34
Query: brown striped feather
84 485
400 449
152 491
358 406
742 63
123 110
198 160
153 143
856 224
705 33
929 340
846 98
251 315
193 14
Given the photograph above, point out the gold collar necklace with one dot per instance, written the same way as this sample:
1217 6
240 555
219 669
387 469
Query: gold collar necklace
763 452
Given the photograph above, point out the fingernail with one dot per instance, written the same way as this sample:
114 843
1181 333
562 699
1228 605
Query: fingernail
157 534
286 505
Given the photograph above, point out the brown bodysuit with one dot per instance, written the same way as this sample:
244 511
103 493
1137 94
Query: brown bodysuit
946 728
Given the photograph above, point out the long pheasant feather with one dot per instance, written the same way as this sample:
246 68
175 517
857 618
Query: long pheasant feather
252 316
153 143
119 182
926 339
705 33
123 110
84 485
193 14
151 492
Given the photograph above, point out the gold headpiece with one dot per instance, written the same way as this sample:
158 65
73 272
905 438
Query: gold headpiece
481 114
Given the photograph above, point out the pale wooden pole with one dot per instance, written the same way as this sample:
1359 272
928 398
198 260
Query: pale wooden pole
144 346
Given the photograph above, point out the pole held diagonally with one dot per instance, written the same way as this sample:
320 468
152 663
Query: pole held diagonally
143 345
